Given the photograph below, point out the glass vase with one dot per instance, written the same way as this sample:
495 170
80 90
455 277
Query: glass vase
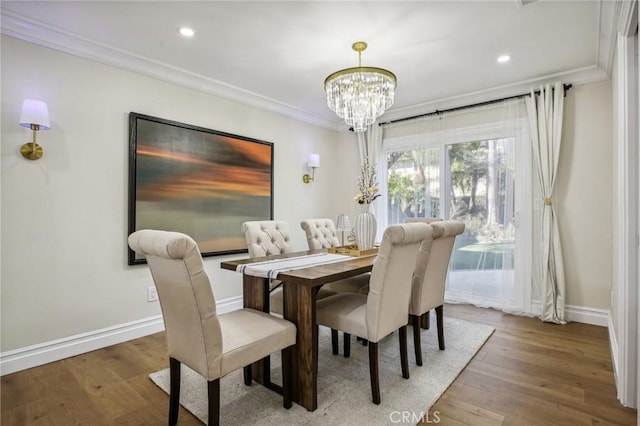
365 228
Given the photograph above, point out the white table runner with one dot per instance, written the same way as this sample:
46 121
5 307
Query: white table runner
271 268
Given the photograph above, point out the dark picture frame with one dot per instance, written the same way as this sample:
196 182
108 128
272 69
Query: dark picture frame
201 182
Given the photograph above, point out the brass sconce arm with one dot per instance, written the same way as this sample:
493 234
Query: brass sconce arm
313 163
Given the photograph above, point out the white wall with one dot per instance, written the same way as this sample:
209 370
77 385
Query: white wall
583 195
64 217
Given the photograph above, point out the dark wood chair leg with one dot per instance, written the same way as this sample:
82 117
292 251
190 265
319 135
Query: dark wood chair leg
347 344
425 320
404 360
247 375
417 345
213 388
334 341
373 372
174 390
286 377
440 320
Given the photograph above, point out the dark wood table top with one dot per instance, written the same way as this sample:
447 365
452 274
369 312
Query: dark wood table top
315 275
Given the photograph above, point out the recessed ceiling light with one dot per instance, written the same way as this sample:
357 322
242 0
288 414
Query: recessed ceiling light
187 32
504 59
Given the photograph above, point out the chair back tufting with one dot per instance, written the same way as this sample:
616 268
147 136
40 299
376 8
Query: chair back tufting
321 233
266 237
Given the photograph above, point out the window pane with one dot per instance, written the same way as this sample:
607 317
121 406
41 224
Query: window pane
481 194
413 184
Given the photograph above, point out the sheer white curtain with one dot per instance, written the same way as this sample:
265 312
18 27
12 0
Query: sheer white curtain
491 264
545 112
369 147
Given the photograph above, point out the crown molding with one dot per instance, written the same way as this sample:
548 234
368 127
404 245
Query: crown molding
42 34
576 77
610 19
608 23
628 18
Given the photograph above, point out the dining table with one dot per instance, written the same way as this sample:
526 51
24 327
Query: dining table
300 287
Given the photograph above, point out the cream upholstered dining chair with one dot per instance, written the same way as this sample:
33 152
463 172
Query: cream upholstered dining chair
424 320
321 234
386 307
266 238
430 278
210 344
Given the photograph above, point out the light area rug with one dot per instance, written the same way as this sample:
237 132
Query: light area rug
344 392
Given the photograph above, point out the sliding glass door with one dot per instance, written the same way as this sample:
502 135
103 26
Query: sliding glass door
473 181
481 193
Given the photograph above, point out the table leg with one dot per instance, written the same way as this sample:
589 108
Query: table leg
256 296
300 308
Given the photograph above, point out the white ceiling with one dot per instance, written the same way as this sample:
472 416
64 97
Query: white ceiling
276 54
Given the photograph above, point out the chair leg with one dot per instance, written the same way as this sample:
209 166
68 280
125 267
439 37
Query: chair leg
247 375
425 320
174 390
440 320
286 377
373 372
347 344
417 345
404 361
213 388
334 341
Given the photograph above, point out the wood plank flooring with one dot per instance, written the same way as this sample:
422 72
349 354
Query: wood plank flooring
533 373
528 373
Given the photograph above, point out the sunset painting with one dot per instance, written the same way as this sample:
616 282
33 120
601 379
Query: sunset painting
197 181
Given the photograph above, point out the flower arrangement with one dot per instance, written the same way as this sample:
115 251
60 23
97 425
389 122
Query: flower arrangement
367 184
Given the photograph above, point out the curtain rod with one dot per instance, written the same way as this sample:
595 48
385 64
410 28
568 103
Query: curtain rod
566 89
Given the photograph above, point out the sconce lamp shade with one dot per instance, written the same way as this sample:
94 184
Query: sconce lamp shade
314 160
35 112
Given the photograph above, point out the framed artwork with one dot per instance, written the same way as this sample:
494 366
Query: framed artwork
201 182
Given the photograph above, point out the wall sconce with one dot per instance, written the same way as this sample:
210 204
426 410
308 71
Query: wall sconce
35 116
313 162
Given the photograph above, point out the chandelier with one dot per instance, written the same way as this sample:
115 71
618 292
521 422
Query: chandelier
360 94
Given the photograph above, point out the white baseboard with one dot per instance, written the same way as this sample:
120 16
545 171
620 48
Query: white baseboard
581 314
585 315
613 346
55 350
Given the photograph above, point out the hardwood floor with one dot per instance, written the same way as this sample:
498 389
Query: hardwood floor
534 373
528 373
